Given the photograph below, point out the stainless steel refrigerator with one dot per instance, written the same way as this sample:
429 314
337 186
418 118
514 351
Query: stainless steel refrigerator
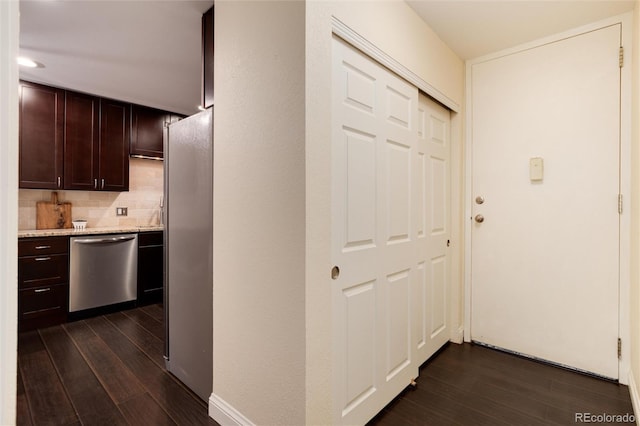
188 215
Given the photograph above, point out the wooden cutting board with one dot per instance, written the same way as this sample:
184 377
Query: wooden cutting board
53 214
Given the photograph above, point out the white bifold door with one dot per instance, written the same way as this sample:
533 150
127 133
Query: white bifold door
390 200
546 170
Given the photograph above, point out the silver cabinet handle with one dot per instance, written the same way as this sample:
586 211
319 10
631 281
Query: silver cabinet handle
103 240
59 182
102 186
42 259
95 184
42 247
41 290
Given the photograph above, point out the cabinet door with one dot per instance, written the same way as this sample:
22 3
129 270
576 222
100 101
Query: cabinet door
150 267
41 136
207 58
81 141
42 307
114 145
147 128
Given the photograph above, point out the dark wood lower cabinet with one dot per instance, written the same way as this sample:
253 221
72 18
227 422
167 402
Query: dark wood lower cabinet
43 306
43 278
150 267
43 282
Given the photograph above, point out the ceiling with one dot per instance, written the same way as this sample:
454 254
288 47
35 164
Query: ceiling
473 28
145 52
148 51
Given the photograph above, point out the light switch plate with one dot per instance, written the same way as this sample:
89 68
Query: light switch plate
536 169
121 211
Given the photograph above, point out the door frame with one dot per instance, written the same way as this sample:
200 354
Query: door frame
9 40
625 177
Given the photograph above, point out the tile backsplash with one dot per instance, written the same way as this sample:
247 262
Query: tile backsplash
99 208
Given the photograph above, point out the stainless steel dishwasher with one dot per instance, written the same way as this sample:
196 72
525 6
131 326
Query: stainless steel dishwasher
103 270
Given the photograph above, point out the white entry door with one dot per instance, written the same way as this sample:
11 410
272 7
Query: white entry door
374 242
545 227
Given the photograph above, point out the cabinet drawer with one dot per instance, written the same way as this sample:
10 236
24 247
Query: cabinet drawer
42 246
42 306
153 238
38 271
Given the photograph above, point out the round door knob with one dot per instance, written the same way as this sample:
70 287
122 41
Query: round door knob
479 218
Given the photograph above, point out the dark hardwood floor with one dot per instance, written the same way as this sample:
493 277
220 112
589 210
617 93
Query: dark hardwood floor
104 370
110 370
473 385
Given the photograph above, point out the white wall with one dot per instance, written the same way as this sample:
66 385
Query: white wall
634 302
259 212
272 216
9 30
395 29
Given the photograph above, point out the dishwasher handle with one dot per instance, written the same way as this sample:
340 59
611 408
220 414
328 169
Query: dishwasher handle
109 240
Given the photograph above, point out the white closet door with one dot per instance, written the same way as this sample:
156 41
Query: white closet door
373 168
430 287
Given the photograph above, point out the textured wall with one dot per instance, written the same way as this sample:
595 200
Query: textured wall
259 211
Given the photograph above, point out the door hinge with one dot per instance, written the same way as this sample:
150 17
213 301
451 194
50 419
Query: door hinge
621 56
619 348
619 203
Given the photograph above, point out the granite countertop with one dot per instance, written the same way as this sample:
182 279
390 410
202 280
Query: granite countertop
26 233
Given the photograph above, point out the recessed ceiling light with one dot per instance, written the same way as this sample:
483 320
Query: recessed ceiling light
26 62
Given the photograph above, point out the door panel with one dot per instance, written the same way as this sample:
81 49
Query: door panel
545 259
360 341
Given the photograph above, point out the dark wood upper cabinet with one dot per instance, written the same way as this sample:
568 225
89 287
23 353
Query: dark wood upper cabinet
81 141
147 129
71 140
41 136
207 58
96 143
113 164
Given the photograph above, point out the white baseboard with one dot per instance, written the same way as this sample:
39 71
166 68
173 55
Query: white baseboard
223 413
635 397
457 336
